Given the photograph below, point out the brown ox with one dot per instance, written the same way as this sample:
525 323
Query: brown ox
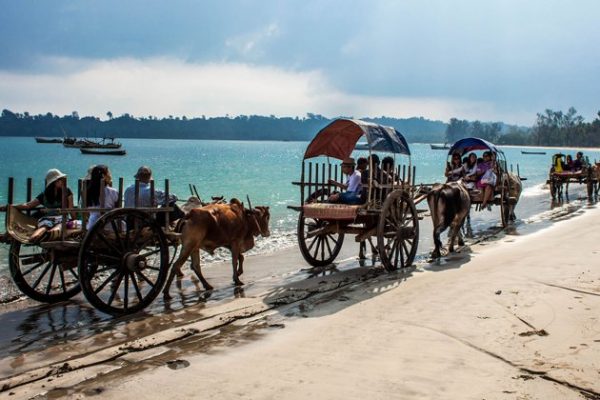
219 225
449 204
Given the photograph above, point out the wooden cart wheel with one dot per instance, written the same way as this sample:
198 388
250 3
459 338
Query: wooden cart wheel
45 275
123 262
321 249
505 202
398 231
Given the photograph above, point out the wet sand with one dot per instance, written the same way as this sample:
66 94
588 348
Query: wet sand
517 317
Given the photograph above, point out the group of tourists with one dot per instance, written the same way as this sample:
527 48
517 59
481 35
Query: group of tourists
476 173
359 174
57 195
568 164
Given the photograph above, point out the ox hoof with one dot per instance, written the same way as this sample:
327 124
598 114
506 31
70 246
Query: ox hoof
238 283
208 287
167 296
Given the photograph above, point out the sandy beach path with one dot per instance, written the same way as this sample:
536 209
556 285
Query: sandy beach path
513 319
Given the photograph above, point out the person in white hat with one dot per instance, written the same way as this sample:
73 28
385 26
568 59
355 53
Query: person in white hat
51 198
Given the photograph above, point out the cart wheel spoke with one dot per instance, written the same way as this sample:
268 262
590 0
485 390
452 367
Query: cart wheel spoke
115 289
318 240
39 279
135 286
110 278
126 292
150 253
62 279
144 278
36 266
52 272
105 240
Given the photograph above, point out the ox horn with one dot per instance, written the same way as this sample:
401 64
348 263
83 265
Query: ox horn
249 203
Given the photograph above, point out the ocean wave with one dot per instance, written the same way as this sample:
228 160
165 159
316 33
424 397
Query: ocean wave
537 190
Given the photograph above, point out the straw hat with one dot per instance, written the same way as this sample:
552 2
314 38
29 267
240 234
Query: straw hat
349 161
53 175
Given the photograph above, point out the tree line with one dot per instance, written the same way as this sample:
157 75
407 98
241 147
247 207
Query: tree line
552 128
242 127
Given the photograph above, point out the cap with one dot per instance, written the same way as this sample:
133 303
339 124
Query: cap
143 172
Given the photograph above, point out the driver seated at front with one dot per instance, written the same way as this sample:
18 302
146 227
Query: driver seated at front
352 187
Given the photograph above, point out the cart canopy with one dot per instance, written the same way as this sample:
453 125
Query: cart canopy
339 138
472 143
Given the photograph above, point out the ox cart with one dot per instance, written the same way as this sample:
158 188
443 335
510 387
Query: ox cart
508 186
559 177
387 211
120 264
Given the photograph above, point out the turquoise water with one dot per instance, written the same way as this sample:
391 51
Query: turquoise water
262 170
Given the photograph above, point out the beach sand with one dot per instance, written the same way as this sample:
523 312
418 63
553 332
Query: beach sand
518 318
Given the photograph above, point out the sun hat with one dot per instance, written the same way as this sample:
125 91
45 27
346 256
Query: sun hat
143 172
53 175
348 161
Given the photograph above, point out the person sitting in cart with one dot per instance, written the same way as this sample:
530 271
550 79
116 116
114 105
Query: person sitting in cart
569 164
579 162
387 164
353 185
144 176
486 178
455 170
470 166
100 174
51 199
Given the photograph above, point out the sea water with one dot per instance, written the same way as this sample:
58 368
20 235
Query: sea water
261 170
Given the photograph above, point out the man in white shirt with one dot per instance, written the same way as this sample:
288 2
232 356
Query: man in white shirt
144 175
353 185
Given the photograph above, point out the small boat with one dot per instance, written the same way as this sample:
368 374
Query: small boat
543 153
40 139
444 146
102 152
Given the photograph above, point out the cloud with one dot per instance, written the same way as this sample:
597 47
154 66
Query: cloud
165 86
249 44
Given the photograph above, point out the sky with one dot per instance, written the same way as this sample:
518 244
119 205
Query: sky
487 60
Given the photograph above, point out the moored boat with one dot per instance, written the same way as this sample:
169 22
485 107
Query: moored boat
103 152
533 152
444 146
40 139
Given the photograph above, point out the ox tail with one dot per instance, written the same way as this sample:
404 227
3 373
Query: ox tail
433 198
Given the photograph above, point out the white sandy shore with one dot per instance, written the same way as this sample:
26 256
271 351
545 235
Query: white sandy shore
518 319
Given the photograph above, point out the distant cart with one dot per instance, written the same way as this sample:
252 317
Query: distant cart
388 213
559 178
508 185
121 263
